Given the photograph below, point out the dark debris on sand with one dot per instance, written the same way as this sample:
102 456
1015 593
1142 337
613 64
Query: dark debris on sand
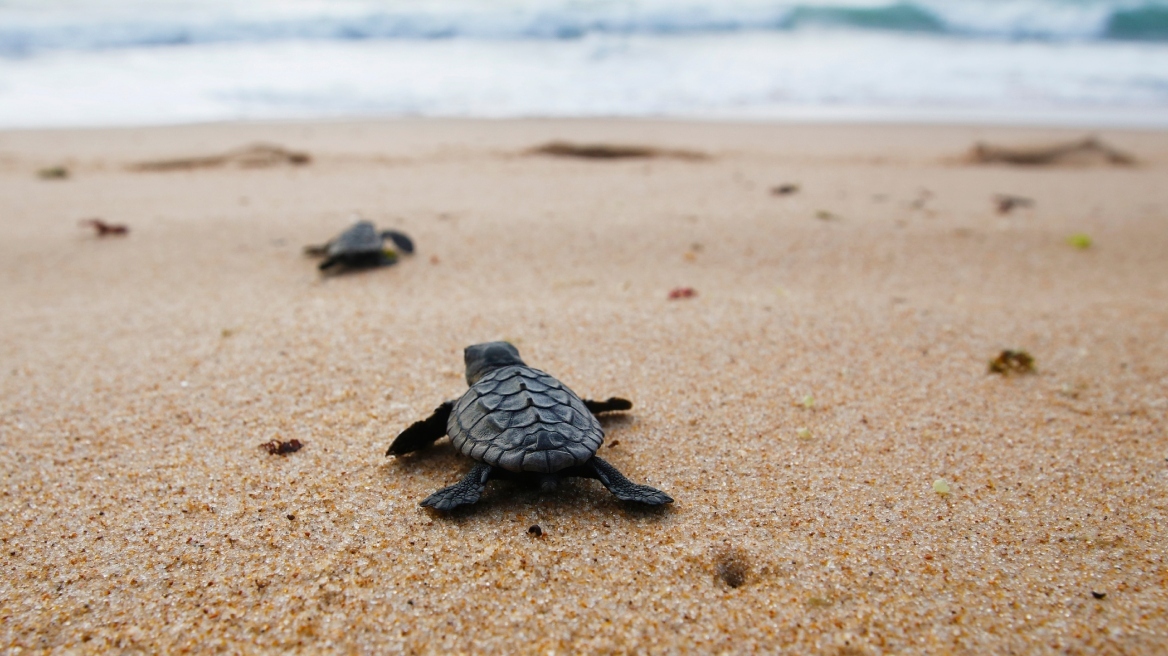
1012 362
260 155
1007 203
104 229
281 448
53 173
1089 150
611 151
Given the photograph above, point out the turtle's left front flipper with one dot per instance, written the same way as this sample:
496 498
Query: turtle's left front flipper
613 404
423 433
399 239
624 489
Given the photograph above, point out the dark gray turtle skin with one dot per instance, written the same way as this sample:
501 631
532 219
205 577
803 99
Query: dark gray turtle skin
361 246
520 423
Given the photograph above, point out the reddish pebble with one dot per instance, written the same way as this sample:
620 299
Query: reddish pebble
682 292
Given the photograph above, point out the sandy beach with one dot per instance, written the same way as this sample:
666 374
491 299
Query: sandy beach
799 408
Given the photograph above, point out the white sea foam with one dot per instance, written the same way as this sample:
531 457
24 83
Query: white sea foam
85 62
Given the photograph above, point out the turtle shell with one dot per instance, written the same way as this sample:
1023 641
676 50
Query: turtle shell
361 239
523 420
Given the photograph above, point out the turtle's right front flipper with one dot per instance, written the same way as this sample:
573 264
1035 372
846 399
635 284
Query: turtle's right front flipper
423 433
464 492
613 404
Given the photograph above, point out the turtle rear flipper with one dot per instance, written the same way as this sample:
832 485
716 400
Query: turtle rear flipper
624 489
464 492
422 433
317 250
363 260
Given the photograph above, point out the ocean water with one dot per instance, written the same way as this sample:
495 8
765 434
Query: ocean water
126 62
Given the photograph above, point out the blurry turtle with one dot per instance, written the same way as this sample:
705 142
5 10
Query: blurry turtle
519 423
361 246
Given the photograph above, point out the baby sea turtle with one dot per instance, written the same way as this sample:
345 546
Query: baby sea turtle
517 422
361 246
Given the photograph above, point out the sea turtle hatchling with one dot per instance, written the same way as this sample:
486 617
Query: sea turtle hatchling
517 422
361 246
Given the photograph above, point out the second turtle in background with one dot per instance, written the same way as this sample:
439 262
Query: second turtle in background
361 246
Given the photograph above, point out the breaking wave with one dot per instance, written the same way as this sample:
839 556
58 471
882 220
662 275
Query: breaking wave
28 27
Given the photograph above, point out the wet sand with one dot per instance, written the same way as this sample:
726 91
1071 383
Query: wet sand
831 367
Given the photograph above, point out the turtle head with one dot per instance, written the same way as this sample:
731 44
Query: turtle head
482 358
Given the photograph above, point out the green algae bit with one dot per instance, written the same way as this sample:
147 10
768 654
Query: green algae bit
1080 241
941 487
804 433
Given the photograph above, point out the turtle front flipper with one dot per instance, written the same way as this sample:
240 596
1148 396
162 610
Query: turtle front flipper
399 239
613 404
624 489
464 492
423 433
